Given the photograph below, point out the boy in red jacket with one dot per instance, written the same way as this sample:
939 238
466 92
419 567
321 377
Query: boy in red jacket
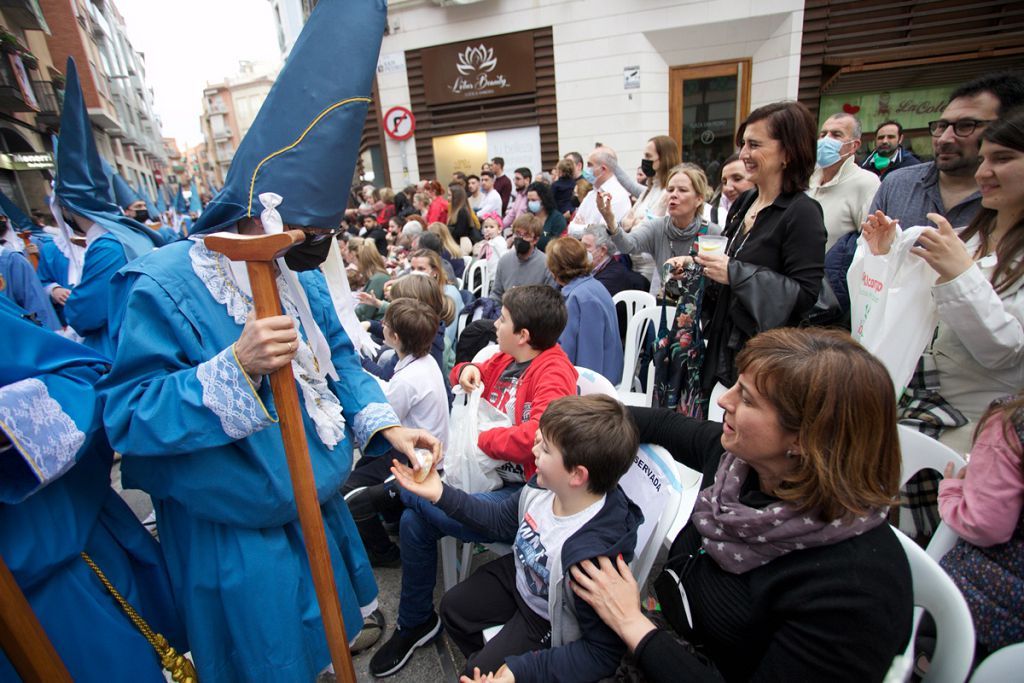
530 372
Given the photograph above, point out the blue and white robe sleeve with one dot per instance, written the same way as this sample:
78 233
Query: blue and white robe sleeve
158 402
363 402
86 309
46 419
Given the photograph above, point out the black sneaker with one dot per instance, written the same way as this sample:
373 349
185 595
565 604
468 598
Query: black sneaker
394 654
390 558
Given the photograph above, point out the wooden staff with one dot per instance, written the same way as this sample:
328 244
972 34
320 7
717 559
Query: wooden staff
23 638
259 252
26 237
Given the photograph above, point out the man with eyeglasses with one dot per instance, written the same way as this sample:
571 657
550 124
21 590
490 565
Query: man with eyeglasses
946 185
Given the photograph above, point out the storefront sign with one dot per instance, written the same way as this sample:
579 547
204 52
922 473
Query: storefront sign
912 108
488 67
26 162
399 123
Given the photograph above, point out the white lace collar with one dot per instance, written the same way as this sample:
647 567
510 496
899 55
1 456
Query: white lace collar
321 404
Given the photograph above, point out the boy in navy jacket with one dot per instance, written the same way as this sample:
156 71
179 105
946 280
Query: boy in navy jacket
572 510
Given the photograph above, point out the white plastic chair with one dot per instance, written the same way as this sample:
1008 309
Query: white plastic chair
635 301
921 452
655 485
645 319
1006 664
935 591
587 382
477 279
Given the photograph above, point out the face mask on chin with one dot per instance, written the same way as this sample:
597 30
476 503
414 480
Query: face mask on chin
308 255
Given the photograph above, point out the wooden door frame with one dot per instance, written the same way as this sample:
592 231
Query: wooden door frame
678 74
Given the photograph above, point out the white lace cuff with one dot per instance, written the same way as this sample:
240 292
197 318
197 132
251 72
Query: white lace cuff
44 435
371 419
230 394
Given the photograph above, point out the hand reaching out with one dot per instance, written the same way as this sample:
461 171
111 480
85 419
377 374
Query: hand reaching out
430 488
943 250
879 232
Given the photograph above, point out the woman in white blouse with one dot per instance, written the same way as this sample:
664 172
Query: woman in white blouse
979 346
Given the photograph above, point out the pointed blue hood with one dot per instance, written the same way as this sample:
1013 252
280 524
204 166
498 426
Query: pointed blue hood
19 221
82 186
179 202
161 203
124 195
195 204
304 142
154 214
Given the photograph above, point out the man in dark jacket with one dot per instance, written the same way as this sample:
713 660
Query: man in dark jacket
889 153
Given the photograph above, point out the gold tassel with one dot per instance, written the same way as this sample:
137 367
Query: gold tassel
178 665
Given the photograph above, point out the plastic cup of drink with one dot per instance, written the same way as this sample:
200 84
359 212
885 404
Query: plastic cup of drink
709 244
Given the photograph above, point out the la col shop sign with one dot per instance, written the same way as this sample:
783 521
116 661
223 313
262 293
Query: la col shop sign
477 69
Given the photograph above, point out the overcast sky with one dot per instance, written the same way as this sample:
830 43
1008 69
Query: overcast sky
188 43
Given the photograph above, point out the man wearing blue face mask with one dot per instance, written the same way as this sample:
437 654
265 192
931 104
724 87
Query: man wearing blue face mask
843 189
599 166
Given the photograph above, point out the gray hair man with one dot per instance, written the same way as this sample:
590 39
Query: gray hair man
843 188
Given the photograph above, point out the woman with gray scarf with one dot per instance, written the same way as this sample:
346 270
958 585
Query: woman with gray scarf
670 236
787 569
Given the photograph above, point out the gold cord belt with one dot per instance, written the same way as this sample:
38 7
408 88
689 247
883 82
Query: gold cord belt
180 668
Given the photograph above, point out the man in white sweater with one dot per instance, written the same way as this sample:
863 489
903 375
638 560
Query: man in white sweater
843 189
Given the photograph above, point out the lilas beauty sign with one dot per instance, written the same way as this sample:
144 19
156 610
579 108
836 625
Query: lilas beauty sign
481 68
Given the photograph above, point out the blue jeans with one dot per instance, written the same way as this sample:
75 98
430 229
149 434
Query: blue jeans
423 525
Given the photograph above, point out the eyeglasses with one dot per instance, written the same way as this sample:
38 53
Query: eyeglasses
961 128
320 235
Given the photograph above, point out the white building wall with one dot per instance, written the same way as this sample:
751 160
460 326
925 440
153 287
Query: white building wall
594 40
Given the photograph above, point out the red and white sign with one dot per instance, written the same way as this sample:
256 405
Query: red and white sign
399 123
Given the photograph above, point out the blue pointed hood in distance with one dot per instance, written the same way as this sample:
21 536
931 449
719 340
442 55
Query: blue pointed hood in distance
82 186
124 195
179 202
161 204
19 221
195 204
305 139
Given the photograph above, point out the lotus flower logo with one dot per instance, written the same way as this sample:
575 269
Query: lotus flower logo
478 59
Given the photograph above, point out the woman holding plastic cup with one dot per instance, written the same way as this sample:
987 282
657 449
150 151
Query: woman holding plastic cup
667 238
769 272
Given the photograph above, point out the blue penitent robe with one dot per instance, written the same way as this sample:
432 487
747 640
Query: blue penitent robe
18 282
202 439
53 270
87 309
56 501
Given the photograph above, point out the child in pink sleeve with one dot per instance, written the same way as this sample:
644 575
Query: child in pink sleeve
983 503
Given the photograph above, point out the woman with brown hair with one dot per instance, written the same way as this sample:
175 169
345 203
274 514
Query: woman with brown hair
788 569
770 273
591 335
428 261
462 221
661 157
370 265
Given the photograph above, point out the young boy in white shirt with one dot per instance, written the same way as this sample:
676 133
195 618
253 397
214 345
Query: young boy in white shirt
571 511
416 392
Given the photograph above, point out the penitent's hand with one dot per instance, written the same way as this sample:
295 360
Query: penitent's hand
406 441
60 295
430 488
266 344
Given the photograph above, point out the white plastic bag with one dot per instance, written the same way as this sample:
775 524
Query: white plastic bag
892 312
466 466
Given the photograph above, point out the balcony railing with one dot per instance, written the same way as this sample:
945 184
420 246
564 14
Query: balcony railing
51 102
11 97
